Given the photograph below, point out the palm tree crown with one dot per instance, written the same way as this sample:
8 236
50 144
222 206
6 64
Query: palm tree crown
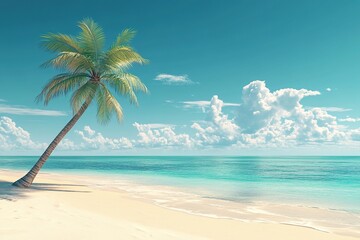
90 71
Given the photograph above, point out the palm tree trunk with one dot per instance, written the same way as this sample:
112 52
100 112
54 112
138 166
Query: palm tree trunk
27 180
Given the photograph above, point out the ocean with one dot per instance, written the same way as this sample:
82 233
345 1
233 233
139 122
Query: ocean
262 185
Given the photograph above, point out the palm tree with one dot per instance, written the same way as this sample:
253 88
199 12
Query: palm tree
88 72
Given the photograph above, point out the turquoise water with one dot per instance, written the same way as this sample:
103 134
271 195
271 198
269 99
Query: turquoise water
332 182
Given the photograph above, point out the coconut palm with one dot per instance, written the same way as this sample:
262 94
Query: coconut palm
88 72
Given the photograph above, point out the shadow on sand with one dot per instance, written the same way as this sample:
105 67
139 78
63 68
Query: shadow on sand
11 193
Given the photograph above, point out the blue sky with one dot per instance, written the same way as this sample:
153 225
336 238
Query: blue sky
203 53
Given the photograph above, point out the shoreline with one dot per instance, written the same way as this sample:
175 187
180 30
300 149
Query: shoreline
81 193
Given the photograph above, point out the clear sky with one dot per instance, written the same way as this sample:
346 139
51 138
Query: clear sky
205 60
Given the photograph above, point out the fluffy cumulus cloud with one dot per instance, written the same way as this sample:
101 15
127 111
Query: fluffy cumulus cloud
13 137
94 140
263 118
279 116
67 144
261 108
277 119
149 136
218 129
160 136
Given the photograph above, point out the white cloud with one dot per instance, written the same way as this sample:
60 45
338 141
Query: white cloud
335 109
159 125
13 137
67 144
274 119
2 100
264 118
279 117
203 104
29 111
349 119
173 79
151 135
328 89
199 104
160 137
219 129
93 140
89 131
260 107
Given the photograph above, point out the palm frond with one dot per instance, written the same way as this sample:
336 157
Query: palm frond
124 37
107 104
91 39
129 79
135 82
60 43
61 84
85 93
121 57
124 87
74 62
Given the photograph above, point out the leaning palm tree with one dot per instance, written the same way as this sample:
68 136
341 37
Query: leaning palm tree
88 72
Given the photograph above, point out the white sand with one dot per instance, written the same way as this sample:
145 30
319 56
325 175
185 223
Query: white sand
62 209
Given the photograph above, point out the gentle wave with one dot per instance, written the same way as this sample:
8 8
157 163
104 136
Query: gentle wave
181 199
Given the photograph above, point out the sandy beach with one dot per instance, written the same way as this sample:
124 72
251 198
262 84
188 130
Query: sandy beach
58 207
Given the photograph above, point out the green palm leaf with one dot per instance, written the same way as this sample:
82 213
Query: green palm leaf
124 37
70 61
91 39
61 84
121 58
135 82
124 84
60 43
107 104
83 94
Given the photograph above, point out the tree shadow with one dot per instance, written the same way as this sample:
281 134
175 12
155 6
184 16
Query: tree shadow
57 187
11 193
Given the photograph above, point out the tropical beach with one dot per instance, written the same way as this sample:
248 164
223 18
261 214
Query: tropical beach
184 120
71 209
